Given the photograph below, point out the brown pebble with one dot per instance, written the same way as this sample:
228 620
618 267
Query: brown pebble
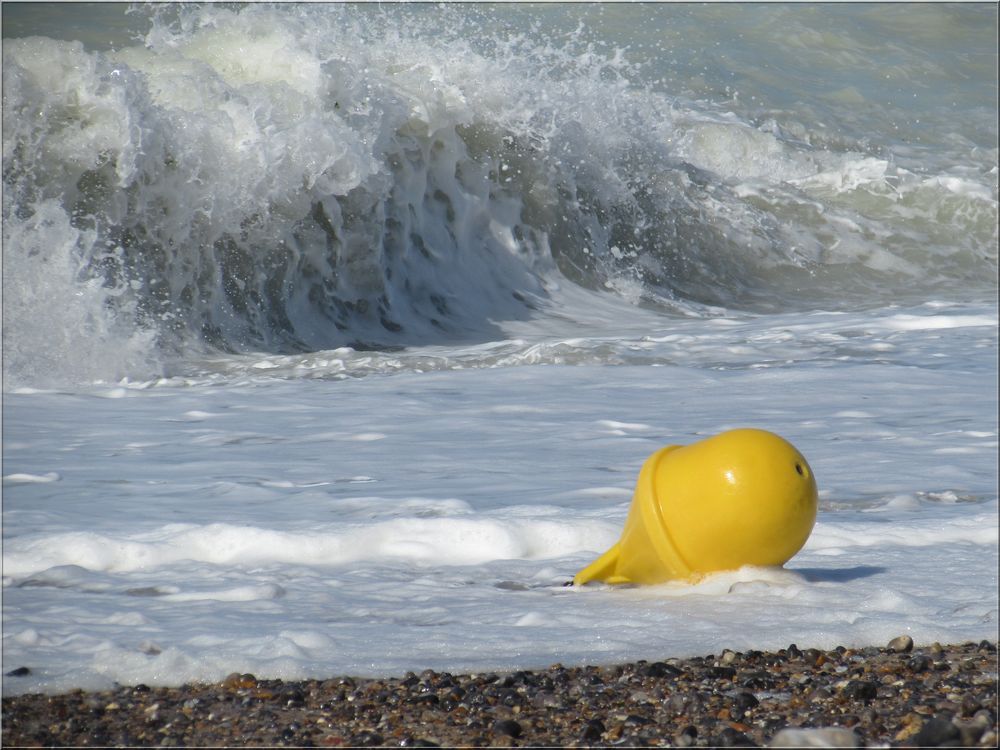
237 681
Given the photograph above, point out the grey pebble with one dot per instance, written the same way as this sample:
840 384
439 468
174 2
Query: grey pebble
936 732
901 645
971 731
825 737
862 690
744 702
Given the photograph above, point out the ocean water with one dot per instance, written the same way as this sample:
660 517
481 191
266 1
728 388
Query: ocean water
334 336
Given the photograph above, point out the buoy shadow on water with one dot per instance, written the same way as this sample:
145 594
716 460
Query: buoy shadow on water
840 575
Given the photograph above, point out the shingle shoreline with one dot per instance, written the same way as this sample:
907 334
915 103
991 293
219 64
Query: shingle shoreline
897 696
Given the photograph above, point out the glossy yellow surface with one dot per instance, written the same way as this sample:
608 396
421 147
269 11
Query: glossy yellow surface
743 497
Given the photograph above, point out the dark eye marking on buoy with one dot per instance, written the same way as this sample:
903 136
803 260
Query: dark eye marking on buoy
798 468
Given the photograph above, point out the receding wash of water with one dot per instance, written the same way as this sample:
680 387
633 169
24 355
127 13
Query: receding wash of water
335 336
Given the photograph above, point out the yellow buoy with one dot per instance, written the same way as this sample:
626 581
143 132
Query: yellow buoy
743 497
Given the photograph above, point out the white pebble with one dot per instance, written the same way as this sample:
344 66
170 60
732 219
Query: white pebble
826 737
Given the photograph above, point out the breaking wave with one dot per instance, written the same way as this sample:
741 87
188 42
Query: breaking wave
302 178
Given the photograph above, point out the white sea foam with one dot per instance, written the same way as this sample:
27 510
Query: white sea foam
488 491
919 322
49 476
451 541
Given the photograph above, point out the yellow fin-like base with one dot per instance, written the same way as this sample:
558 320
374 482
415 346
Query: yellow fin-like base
602 569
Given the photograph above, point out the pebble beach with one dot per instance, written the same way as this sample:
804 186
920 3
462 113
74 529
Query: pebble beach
893 696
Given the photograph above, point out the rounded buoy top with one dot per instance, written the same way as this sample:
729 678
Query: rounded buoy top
743 497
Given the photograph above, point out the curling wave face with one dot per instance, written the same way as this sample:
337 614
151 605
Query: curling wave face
302 178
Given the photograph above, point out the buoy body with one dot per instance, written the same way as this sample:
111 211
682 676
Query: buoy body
743 497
